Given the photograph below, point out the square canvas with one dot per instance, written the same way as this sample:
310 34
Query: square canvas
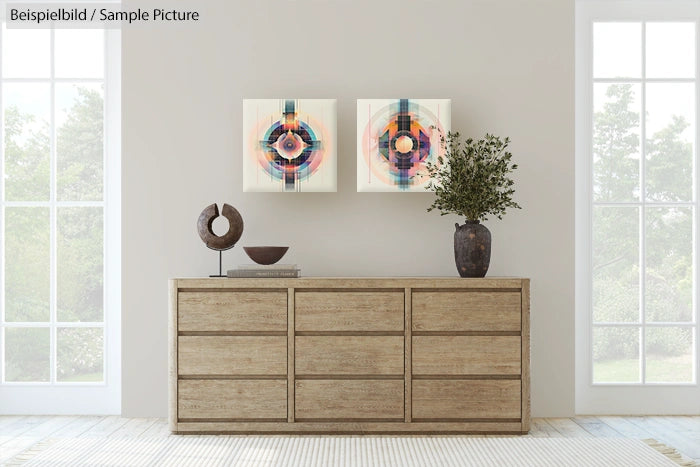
289 145
395 138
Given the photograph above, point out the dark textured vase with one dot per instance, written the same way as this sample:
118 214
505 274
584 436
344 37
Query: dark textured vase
472 249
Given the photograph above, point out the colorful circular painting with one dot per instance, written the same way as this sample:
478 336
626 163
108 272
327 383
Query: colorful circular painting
395 139
289 145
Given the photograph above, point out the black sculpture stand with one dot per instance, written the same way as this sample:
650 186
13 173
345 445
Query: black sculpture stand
221 272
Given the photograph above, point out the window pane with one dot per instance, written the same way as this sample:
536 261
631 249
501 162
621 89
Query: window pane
79 253
79 144
79 53
27 264
26 53
27 354
669 265
670 140
617 50
669 355
615 264
670 50
27 145
79 354
615 355
616 142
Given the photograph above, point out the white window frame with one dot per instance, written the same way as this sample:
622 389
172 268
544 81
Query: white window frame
53 397
622 398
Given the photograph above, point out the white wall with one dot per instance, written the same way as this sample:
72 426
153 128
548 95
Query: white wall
507 65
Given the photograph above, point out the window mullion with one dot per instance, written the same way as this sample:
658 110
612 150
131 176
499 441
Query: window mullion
590 205
105 190
696 180
2 222
55 80
658 204
52 216
642 211
661 324
639 80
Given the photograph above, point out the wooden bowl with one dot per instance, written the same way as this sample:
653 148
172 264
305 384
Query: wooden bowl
265 254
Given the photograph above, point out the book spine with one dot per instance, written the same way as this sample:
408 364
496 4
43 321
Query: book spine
254 273
267 267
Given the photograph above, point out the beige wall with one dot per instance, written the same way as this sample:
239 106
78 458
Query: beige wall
508 67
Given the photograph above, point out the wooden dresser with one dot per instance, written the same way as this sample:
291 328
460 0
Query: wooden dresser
341 355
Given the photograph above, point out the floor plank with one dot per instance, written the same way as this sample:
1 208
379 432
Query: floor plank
539 428
133 428
683 424
19 426
568 428
7 420
105 427
158 429
693 422
77 427
35 434
625 427
597 428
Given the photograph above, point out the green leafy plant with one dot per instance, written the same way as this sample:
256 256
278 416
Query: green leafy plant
472 179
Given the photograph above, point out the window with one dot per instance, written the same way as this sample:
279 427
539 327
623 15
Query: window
59 218
637 183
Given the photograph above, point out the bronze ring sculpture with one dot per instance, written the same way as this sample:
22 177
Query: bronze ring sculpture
223 242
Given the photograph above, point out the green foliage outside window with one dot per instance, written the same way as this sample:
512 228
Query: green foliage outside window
79 240
668 230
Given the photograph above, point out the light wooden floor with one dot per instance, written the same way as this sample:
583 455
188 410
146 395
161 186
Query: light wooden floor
17 433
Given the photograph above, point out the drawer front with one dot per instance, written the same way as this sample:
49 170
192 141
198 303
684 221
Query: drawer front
349 399
466 355
349 311
349 355
227 399
232 355
466 399
232 311
466 311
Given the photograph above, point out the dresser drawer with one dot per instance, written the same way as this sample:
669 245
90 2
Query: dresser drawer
232 311
466 311
232 355
349 355
349 399
466 399
466 355
228 399
349 311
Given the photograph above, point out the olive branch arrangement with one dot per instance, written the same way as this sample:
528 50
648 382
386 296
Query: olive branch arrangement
472 179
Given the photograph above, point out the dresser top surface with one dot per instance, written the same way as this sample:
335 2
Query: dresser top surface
353 282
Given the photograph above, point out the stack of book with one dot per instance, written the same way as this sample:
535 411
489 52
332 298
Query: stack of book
259 270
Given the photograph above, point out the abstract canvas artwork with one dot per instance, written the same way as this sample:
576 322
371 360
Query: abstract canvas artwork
289 145
395 139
